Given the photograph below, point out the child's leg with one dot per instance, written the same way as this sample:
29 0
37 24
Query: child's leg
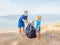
38 35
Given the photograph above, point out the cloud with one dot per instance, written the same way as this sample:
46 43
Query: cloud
7 8
47 8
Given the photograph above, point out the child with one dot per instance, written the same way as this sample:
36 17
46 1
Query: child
22 21
38 23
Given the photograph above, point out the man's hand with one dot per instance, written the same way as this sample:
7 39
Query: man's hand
26 21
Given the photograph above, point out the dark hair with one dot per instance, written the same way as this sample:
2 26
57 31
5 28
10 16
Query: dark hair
25 11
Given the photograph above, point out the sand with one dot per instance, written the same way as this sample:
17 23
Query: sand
50 35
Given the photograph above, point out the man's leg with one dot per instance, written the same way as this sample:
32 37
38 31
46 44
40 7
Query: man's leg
19 31
23 30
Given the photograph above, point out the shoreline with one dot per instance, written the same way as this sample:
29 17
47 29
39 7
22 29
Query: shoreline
51 26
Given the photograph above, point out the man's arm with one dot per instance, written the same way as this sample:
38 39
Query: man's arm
26 21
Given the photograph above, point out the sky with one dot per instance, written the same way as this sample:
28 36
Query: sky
12 7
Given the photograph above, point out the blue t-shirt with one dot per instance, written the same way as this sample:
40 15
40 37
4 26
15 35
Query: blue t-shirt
38 22
21 22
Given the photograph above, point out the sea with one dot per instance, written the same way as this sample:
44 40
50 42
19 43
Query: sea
11 21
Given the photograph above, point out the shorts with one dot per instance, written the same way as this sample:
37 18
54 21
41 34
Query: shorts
38 30
21 25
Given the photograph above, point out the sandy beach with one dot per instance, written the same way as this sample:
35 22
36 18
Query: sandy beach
50 35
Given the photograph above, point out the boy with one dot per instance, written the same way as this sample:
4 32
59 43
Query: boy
22 21
38 23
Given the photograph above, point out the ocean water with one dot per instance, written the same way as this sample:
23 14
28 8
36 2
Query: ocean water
11 21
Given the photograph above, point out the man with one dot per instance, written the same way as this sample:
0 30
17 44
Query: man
22 21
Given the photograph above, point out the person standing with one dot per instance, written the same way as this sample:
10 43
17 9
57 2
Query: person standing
38 25
21 22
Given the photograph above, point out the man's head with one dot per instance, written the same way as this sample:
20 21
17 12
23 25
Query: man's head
25 12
